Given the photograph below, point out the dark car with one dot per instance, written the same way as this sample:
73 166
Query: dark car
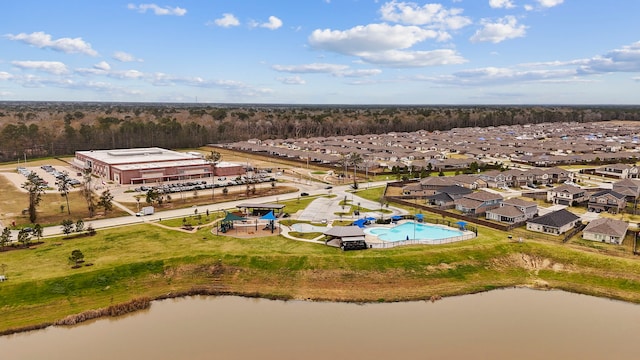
328 187
304 194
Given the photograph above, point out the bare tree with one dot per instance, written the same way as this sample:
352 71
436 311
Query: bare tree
355 159
87 193
37 231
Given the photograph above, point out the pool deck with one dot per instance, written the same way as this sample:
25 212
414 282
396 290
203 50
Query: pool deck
378 243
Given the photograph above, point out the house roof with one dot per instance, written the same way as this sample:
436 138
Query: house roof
468 203
483 196
519 202
506 210
456 190
443 197
344 231
607 226
615 194
568 189
556 219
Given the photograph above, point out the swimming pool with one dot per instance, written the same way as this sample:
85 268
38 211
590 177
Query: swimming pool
412 230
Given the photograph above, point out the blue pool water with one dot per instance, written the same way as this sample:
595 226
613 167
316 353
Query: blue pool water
412 230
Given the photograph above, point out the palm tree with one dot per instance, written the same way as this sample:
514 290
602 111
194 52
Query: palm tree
213 158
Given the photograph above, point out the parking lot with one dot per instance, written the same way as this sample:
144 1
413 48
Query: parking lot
47 174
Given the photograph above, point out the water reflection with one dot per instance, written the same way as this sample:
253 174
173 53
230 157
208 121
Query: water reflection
503 324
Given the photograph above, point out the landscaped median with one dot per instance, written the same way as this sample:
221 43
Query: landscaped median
146 261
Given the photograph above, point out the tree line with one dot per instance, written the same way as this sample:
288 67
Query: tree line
37 130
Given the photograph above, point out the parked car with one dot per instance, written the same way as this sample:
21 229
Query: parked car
304 194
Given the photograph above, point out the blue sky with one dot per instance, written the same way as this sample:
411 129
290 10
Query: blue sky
322 51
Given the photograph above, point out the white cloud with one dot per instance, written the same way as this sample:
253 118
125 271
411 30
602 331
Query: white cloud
5 75
495 75
626 59
384 44
273 23
504 29
67 45
431 15
370 38
623 60
310 68
358 73
396 58
127 74
528 7
227 20
291 80
125 57
324 68
550 3
52 67
102 65
158 10
637 78
498 4
234 88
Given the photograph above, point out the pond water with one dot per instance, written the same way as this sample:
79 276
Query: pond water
501 324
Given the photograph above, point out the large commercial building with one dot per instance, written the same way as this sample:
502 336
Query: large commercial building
144 165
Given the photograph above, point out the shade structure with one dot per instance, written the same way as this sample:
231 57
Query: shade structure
396 217
370 218
420 216
462 224
268 216
233 217
360 223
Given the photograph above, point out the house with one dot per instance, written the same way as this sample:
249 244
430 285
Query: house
620 171
606 230
416 189
494 179
506 214
513 211
446 196
478 203
607 200
518 177
555 223
558 175
628 187
567 195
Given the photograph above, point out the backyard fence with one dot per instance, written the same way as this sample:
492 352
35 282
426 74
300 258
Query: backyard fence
387 245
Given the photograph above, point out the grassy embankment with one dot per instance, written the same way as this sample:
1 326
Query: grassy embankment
147 261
